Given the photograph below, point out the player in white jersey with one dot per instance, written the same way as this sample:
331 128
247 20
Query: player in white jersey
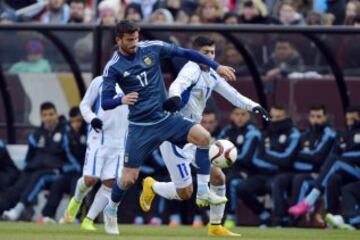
190 92
104 153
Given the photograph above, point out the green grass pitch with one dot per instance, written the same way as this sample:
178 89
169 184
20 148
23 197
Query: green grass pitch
32 231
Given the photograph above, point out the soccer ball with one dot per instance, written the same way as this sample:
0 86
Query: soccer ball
222 153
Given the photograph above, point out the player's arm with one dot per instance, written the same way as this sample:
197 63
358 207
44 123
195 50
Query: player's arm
188 75
88 101
285 158
316 156
108 101
73 164
171 50
239 100
252 139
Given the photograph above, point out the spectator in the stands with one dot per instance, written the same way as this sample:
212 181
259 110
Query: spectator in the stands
352 10
8 171
315 19
8 17
34 62
147 7
77 11
133 13
58 12
337 9
231 18
161 16
255 12
284 60
210 11
289 15
107 15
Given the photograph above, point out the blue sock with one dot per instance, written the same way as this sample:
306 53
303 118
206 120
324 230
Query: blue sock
264 215
117 194
202 161
313 196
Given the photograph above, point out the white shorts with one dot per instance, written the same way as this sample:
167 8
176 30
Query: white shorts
103 162
177 161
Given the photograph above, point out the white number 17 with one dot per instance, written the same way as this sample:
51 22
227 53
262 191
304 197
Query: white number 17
142 77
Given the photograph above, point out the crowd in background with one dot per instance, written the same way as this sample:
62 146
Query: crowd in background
280 161
286 12
274 60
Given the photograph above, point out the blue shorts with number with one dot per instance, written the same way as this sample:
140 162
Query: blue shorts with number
142 140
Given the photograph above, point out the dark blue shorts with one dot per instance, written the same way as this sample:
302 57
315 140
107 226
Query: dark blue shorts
143 140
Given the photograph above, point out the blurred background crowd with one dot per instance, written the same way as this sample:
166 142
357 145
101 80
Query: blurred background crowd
293 71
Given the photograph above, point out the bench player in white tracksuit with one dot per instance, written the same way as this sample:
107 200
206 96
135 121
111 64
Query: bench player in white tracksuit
190 92
104 153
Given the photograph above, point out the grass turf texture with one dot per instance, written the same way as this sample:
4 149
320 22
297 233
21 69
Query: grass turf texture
27 231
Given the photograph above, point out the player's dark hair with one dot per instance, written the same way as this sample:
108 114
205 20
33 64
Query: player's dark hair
283 40
317 107
281 108
46 106
74 111
77 1
126 26
202 41
352 109
208 111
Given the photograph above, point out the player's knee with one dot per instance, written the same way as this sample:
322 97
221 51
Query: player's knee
217 177
90 181
185 193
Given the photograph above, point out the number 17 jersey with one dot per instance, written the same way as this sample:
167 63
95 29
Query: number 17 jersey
141 73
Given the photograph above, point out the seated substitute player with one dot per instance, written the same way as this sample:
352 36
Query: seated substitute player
189 94
8 171
246 137
316 142
104 153
345 162
350 211
275 155
48 156
76 134
136 68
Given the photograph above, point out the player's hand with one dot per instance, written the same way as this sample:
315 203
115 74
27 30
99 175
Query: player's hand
172 104
226 72
260 110
96 124
130 99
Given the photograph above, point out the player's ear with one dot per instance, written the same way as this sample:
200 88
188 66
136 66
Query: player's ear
118 39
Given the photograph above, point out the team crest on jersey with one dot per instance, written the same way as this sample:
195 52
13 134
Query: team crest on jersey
148 61
240 139
282 138
57 137
357 138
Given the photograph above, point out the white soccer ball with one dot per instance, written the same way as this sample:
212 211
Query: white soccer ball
222 153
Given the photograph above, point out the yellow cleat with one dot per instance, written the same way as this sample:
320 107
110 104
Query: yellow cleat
71 211
147 194
220 231
88 225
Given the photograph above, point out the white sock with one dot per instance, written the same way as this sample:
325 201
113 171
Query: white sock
100 201
203 183
217 212
81 190
113 204
166 190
